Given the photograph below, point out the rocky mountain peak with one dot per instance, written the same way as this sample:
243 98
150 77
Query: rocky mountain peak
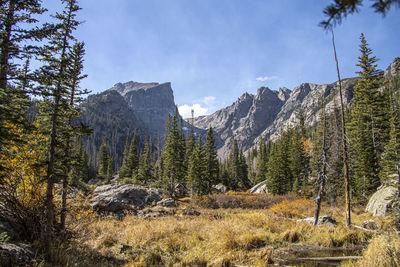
284 94
393 70
150 102
124 88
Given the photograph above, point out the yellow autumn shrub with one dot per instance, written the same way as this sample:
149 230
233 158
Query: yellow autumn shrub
23 175
293 209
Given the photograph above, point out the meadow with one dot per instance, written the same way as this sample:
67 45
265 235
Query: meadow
227 230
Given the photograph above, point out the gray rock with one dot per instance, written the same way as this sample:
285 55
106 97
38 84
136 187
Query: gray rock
150 102
191 213
166 202
121 198
322 220
381 201
18 254
259 188
245 119
220 188
370 224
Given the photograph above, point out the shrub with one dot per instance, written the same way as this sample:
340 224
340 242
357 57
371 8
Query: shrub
293 209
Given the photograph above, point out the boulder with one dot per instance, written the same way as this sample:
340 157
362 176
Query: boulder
370 224
166 202
322 220
120 198
381 201
259 188
220 188
16 254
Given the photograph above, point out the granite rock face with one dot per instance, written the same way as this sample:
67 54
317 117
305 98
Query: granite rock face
129 108
108 114
121 198
260 188
381 201
150 102
266 113
245 119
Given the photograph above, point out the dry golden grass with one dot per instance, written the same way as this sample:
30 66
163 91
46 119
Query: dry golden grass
218 237
383 251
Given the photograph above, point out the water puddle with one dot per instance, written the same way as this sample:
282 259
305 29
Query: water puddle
308 257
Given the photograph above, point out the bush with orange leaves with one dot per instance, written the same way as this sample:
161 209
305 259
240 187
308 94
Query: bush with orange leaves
293 209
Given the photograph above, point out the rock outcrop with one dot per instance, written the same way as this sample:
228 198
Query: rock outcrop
381 201
245 119
108 114
119 199
264 114
260 188
322 220
125 109
150 102
16 254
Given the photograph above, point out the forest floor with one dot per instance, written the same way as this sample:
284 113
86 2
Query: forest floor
227 230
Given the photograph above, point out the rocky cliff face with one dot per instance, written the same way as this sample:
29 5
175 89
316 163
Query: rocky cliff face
108 114
150 102
245 119
264 114
127 108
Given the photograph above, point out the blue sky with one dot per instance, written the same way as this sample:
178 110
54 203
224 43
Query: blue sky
212 51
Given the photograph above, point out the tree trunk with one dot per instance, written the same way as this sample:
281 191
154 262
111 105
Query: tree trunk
318 200
5 46
344 142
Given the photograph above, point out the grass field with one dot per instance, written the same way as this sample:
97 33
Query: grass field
241 233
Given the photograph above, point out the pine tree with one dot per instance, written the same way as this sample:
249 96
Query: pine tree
104 160
391 158
196 170
299 162
190 147
53 79
234 167
79 172
173 155
262 159
130 161
243 171
279 175
145 171
367 130
211 162
18 33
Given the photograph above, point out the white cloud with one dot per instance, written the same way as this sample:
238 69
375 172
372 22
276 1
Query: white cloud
266 78
208 100
186 111
203 106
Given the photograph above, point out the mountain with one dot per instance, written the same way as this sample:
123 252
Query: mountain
150 102
245 119
144 107
124 109
108 114
266 113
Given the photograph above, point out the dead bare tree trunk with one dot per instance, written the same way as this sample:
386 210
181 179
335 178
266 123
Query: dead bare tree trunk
322 181
345 161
